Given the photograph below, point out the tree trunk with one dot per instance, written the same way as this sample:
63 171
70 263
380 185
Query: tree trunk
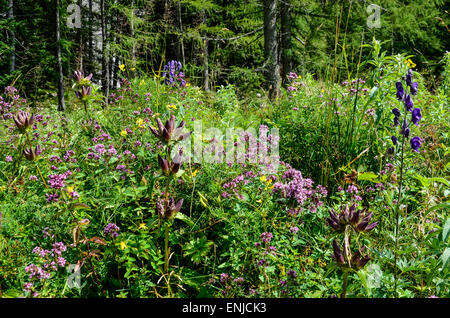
105 53
12 38
286 61
205 57
80 41
181 34
272 69
133 44
91 39
61 103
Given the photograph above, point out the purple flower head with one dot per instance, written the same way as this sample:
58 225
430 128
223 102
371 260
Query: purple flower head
409 103
413 88
409 76
394 140
224 277
293 229
112 230
266 237
415 143
416 116
396 121
291 273
405 129
400 90
396 112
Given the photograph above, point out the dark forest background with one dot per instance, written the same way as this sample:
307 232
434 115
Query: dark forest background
250 43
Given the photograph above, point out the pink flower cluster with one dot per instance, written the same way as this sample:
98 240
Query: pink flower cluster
300 189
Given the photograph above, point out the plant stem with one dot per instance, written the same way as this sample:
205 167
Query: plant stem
166 258
39 170
398 218
344 284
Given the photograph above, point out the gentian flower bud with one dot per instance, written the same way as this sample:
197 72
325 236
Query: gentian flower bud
23 120
337 253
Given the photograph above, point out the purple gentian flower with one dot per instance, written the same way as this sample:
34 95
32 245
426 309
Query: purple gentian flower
416 116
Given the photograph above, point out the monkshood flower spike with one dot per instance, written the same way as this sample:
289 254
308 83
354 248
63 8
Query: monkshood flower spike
416 114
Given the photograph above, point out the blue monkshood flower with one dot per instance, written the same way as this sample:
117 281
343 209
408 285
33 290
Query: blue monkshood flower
396 112
416 116
413 88
394 140
400 90
409 76
409 103
416 143
396 121
405 129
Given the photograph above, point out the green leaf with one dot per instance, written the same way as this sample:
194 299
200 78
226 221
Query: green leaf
445 256
446 230
368 176
184 218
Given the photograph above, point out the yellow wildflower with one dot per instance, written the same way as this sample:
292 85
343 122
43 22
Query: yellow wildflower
410 63
143 226
194 173
122 67
140 123
70 189
123 133
188 84
142 82
171 106
263 179
123 245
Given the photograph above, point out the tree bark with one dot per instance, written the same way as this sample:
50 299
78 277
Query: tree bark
133 45
105 53
61 102
181 34
12 38
80 41
272 68
91 45
205 58
286 60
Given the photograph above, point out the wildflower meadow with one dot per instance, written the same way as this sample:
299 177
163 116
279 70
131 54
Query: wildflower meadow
162 187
